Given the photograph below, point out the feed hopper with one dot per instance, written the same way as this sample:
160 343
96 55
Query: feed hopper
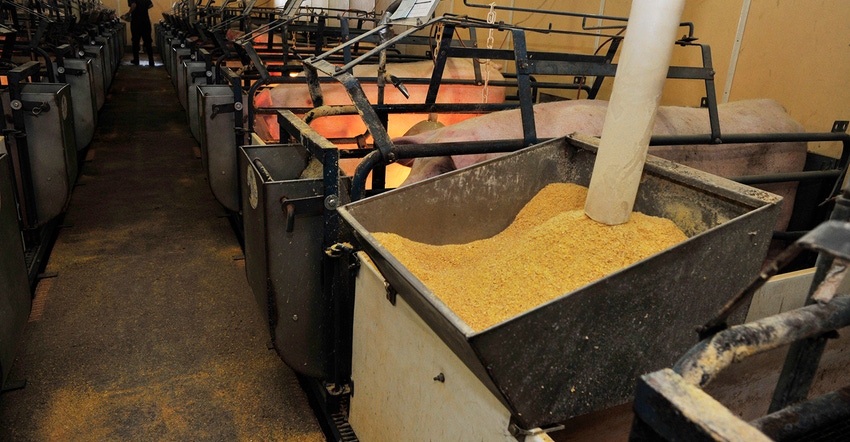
51 143
167 51
79 74
179 52
99 68
218 142
584 350
187 78
193 76
14 286
109 62
284 228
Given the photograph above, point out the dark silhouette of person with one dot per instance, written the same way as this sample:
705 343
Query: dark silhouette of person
140 28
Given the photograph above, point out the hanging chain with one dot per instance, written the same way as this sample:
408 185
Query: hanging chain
491 19
439 40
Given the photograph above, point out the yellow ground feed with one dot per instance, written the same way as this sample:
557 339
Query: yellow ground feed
551 249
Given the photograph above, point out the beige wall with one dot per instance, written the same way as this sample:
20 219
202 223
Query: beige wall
796 52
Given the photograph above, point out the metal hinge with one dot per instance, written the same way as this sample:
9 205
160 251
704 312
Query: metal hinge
392 293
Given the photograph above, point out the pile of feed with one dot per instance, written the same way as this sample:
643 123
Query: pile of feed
550 249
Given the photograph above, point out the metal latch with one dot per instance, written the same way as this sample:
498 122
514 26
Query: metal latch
308 205
521 433
35 108
225 108
70 71
338 249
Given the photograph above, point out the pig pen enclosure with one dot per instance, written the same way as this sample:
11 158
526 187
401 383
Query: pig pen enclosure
294 103
322 127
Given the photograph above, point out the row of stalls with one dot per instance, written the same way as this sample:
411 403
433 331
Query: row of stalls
303 115
57 61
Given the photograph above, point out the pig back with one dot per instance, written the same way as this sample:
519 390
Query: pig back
763 116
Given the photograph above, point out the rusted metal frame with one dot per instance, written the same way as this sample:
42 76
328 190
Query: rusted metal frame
355 40
268 28
408 151
445 45
300 27
795 422
319 42
255 59
264 77
844 138
840 127
60 53
548 12
374 51
669 409
609 58
710 92
404 80
373 122
235 82
325 111
345 35
336 284
801 363
223 44
708 358
39 52
313 80
670 405
526 100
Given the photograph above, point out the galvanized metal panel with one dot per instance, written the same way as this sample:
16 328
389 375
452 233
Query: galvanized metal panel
52 147
218 144
84 98
285 268
109 61
185 81
99 69
191 91
178 53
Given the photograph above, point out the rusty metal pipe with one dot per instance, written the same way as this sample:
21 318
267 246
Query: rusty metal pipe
797 421
706 360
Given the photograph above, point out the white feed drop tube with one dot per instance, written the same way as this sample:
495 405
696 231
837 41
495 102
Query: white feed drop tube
641 71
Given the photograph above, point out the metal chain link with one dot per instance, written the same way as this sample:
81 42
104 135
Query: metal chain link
491 19
439 40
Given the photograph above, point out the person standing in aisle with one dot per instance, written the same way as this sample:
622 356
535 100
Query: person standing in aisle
140 28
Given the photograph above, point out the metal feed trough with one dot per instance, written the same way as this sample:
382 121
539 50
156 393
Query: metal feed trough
544 364
216 105
48 152
79 73
284 260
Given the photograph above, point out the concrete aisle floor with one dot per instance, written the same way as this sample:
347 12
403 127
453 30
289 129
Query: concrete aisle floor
150 331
